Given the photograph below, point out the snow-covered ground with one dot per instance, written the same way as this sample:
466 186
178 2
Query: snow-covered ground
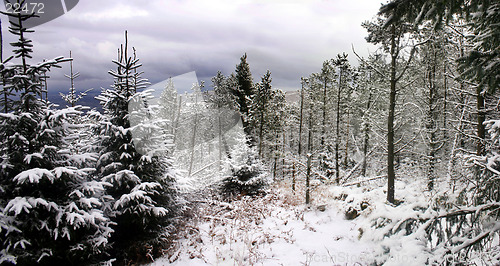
279 229
273 230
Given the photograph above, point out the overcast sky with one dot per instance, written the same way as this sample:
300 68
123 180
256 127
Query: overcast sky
173 37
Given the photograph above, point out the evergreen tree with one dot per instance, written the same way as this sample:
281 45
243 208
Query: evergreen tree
481 63
260 107
72 97
344 77
224 102
243 92
248 175
326 78
50 207
142 186
168 106
391 38
241 161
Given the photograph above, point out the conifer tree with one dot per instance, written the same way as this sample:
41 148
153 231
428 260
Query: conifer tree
142 183
248 175
246 171
391 36
260 107
50 207
243 92
481 64
224 102
72 97
168 106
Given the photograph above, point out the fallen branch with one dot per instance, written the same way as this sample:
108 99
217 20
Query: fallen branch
357 165
312 171
364 180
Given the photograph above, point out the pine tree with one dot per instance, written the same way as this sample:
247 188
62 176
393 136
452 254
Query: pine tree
326 77
243 92
241 161
72 97
481 64
142 186
168 106
303 82
344 76
248 175
224 102
390 36
260 107
50 207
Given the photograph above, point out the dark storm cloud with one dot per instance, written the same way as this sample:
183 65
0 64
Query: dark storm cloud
290 38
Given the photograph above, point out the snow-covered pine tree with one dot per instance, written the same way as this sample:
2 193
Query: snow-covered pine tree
243 92
391 37
72 97
326 77
248 175
7 95
267 117
312 101
368 113
344 91
278 115
224 103
142 186
260 107
168 105
49 208
246 172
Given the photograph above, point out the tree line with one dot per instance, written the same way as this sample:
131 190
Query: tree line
76 186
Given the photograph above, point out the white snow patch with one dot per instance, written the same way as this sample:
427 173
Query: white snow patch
259 232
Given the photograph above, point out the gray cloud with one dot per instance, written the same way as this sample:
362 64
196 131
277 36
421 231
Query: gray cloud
290 38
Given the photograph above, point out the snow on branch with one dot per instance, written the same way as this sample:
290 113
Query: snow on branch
34 176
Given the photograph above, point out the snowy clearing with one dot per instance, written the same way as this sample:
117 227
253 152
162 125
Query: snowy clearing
272 230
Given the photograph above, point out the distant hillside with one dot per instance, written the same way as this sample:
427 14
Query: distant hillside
90 101
292 96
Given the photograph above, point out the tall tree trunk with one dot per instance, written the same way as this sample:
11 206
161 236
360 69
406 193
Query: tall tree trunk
261 130
346 161
308 174
481 115
367 136
431 124
193 138
337 140
390 120
323 124
310 130
301 117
